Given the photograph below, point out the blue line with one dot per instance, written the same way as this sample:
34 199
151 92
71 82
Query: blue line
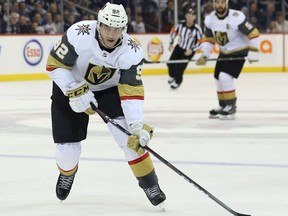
205 163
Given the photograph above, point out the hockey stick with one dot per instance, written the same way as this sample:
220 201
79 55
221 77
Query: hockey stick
108 119
192 60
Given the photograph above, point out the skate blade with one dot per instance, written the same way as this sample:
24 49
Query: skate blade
214 117
162 206
227 117
173 88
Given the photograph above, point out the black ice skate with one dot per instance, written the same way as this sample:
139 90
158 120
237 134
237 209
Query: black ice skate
215 113
228 113
64 185
155 195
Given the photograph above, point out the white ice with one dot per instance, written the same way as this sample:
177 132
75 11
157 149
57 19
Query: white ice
244 163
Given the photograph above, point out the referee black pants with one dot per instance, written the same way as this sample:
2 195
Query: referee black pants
176 70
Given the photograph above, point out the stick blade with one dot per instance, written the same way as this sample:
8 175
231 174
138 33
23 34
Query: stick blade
239 214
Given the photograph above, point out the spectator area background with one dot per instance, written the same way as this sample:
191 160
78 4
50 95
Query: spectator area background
145 16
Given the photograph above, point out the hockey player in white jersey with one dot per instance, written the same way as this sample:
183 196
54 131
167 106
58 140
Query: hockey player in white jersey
97 62
236 38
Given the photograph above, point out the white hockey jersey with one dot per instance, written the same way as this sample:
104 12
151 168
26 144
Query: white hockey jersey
79 56
232 33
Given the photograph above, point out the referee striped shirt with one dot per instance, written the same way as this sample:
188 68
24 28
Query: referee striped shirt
188 36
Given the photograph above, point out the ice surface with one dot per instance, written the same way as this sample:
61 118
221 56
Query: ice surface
244 162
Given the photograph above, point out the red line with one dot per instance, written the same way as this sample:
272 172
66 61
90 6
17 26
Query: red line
138 160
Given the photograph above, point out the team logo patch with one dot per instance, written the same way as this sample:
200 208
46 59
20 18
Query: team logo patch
83 29
221 38
235 14
133 44
97 74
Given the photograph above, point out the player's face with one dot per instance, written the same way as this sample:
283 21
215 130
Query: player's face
220 7
110 35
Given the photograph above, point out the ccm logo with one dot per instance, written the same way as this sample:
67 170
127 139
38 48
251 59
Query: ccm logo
33 52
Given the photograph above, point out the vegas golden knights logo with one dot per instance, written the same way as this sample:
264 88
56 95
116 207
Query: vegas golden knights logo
97 74
221 38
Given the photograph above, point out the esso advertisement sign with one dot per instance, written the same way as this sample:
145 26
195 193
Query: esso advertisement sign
33 52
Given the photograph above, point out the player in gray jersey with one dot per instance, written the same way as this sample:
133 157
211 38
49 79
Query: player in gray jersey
96 63
236 38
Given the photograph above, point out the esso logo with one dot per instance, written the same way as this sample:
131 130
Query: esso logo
33 52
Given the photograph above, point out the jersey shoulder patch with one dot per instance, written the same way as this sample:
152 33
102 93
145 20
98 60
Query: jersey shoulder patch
83 29
132 53
80 32
236 17
133 45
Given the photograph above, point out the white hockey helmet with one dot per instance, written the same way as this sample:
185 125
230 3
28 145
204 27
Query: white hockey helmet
113 15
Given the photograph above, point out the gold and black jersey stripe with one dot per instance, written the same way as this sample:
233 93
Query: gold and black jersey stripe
63 55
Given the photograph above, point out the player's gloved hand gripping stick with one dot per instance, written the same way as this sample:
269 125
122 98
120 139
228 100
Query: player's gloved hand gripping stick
108 119
80 98
141 135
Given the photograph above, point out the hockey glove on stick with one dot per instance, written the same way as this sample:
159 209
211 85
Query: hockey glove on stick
141 135
201 60
80 98
253 56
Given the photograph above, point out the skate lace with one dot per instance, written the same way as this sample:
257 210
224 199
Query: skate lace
65 181
152 191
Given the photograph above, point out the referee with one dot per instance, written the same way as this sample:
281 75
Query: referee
189 35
